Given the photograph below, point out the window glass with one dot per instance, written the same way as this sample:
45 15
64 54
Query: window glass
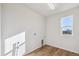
67 25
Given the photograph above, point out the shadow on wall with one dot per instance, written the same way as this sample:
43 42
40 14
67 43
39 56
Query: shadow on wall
15 45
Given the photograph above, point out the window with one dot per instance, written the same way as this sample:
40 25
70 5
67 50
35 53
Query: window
67 25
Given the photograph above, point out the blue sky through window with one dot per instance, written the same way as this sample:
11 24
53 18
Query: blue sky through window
66 23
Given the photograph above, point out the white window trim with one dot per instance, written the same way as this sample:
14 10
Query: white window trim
72 27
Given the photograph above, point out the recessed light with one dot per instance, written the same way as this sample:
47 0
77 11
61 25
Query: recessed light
51 5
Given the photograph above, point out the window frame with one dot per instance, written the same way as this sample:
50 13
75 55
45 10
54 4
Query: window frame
61 27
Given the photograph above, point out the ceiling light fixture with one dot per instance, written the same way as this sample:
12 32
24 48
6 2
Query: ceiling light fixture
51 5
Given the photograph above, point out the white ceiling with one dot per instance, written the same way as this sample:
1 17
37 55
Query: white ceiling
44 9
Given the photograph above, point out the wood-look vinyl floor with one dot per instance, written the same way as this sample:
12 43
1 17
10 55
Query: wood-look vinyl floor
47 50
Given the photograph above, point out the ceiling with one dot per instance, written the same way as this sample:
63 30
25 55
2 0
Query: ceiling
44 9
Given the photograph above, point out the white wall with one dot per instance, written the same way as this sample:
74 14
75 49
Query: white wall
0 29
18 18
54 36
